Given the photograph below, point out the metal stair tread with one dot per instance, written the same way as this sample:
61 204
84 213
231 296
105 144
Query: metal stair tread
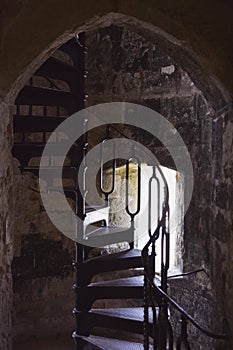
126 254
32 124
105 230
61 189
90 208
123 288
133 313
67 171
112 343
57 69
105 235
127 259
55 148
123 319
25 151
69 46
40 96
133 281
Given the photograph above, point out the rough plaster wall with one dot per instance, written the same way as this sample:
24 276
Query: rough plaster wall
125 67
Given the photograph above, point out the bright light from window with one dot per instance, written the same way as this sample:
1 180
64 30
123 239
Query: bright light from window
176 199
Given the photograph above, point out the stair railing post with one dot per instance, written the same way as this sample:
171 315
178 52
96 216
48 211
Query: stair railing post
153 250
164 324
112 169
80 161
183 338
146 314
130 212
151 258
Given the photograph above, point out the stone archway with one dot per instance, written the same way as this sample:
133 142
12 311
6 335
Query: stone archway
214 93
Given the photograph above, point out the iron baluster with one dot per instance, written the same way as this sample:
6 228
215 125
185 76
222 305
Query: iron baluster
155 327
161 322
170 339
79 62
113 168
162 329
85 166
165 247
146 310
165 328
153 251
18 110
183 338
45 114
130 212
18 115
30 106
153 177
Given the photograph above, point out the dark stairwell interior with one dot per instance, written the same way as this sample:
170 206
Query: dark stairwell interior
122 66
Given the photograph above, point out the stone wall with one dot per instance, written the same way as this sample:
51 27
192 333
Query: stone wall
207 32
221 243
124 66
42 267
6 224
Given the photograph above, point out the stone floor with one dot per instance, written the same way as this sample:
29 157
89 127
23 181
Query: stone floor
46 344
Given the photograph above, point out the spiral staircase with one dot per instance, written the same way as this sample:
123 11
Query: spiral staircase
58 85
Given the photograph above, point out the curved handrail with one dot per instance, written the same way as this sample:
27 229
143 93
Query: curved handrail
167 298
188 316
150 280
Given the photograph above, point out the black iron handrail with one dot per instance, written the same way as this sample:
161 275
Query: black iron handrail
159 292
188 273
188 316
152 291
